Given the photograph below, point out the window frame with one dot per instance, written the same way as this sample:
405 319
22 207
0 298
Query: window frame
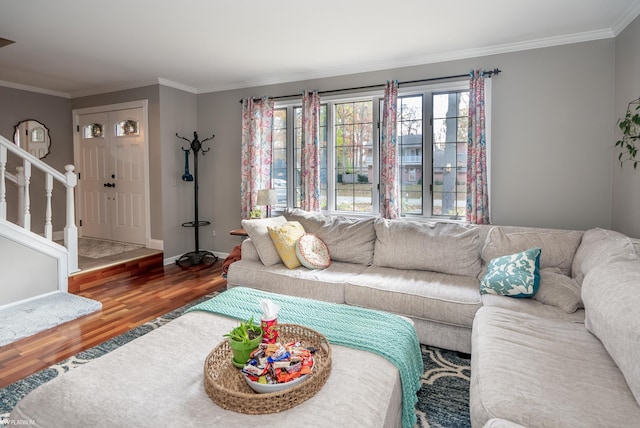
426 91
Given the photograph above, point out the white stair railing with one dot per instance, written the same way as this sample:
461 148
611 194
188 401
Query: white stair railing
22 180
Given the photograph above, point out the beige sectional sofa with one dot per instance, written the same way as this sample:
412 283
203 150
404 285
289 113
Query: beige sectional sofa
535 361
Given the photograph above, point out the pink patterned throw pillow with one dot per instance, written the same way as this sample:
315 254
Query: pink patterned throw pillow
312 252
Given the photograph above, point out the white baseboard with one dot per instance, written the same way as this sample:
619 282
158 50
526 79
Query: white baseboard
156 244
172 260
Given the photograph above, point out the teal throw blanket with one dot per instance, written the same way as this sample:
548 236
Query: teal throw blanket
385 334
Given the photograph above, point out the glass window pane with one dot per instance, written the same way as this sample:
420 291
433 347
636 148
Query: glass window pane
450 133
94 130
127 127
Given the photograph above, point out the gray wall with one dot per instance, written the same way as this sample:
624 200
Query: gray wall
626 180
178 114
551 124
26 272
54 112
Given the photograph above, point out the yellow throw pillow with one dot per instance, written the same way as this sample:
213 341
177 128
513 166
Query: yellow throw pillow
284 239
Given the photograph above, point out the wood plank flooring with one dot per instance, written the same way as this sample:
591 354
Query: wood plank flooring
126 303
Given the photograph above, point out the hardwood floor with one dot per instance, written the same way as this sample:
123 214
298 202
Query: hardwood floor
126 303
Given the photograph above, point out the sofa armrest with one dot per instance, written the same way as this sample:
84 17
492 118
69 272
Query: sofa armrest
249 251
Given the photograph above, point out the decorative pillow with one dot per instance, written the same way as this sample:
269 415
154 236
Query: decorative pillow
558 246
515 275
558 290
284 239
312 252
257 231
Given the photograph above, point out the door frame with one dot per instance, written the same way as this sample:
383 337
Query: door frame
76 113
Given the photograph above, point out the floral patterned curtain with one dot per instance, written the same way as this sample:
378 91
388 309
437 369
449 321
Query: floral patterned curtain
310 153
477 190
257 119
389 170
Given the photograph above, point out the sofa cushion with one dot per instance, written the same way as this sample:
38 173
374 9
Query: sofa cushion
439 247
312 252
540 372
533 307
349 240
326 284
611 294
515 275
558 290
257 231
449 299
285 238
558 246
600 246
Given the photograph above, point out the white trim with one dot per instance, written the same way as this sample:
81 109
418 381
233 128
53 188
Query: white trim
422 60
144 105
172 260
34 89
28 299
156 244
133 85
626 18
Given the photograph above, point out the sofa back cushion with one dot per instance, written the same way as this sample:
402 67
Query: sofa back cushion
600 246
348 240
611 295
558 246
439 247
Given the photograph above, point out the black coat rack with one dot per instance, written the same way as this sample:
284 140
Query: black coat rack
195 257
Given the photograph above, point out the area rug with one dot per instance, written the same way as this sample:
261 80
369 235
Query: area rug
443 400
98 248
31 317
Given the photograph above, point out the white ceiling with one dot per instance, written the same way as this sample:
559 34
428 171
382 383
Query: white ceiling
74 48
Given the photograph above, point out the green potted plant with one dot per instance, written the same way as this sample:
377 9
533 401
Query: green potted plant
630 127
243 340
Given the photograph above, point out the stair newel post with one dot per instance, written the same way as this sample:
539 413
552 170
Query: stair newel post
3 186
26 213
48 227
70 229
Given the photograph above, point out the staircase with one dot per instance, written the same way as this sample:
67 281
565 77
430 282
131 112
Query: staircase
25 252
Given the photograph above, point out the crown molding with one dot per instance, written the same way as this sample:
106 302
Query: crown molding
421 60
34 89
626 18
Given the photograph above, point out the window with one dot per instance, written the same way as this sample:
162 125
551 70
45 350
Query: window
432 130
297 111
127 127
450 134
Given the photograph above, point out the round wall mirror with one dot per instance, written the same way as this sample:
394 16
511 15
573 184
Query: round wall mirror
33 137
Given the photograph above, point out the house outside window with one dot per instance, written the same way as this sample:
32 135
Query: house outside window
432 132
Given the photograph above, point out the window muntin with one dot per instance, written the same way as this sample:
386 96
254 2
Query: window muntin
409 141
297 111
424 122
279 156
353 145
449 138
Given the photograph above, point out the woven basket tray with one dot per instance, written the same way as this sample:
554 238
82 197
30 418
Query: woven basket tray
226 386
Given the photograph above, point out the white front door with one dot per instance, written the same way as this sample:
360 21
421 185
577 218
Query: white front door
112 175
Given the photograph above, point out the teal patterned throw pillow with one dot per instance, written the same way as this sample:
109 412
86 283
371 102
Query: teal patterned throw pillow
515 275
